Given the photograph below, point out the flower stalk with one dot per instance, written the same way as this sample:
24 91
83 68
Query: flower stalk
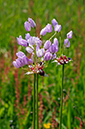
61 103
34 101
37 102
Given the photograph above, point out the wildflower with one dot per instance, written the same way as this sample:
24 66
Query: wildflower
55 41
21 60
57 28
54 22
67 43
47 56
32 23
49 28
22 41
70 34
53 48
29 50
54 56
62 60
43 31
47 126
40 52
47 44
27 26
27 36
34 40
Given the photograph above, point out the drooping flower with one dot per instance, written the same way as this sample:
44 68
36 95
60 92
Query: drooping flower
57 28
29 50
53 48
20 54
54 22
27 36
31 41
27 26
55 41
34 40
67 43
21 60
70 34
22 41
43 31
37 41
49 28
47 44
40 52
47 56
32 23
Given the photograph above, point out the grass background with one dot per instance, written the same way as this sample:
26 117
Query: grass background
15 87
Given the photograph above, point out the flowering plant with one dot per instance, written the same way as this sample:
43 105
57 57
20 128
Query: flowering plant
40 53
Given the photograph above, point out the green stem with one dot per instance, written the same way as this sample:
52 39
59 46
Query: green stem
61 103
34 101
60 42
37 103
52 36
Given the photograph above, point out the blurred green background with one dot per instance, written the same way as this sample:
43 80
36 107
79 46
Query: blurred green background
16 88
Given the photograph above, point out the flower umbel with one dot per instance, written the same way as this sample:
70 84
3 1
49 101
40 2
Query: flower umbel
40 52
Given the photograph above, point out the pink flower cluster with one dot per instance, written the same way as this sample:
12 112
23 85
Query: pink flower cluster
40 53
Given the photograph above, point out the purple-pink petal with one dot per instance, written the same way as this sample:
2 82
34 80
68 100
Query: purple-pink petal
37 41
53 48
40 52
57 28
67 42
15 64
22 41
29 50
25 60
54 22
68 45
27 26
19 62
32 23
20 54
54 56
47 56
31 41
27 36
70 34
43 31
55 41
49 28
47 44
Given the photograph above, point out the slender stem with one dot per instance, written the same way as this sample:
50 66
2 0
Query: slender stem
52 36
37 103
61 104
60 42
34 101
